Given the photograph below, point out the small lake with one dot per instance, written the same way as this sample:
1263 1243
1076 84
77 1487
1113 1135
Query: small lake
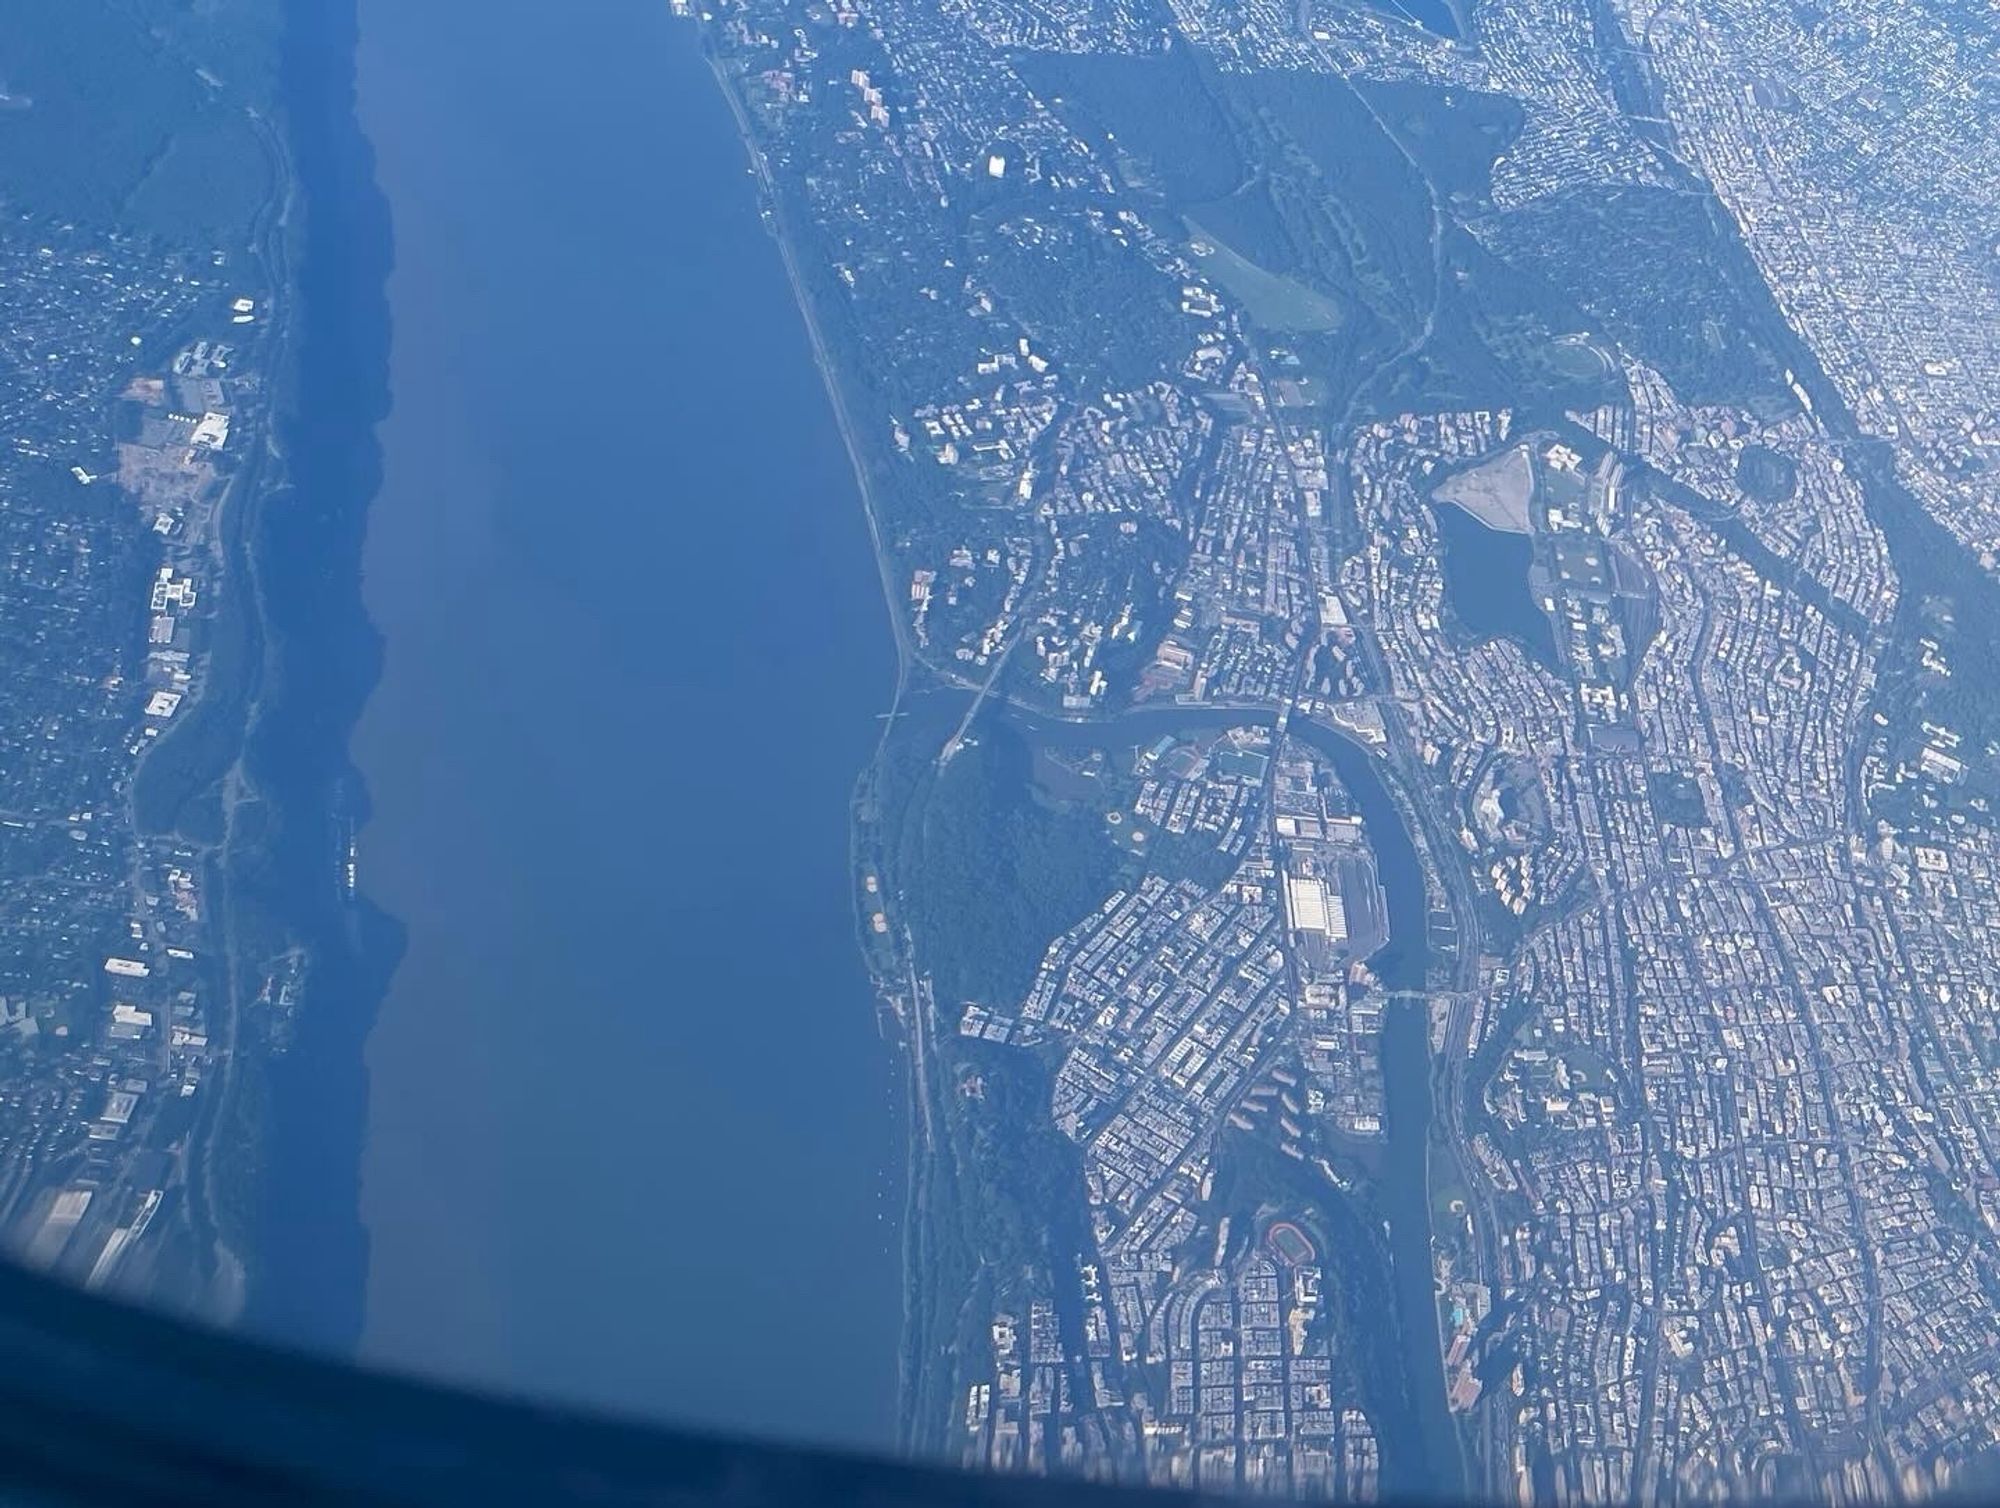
1486 584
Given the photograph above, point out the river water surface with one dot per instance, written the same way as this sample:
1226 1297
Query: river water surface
632 1136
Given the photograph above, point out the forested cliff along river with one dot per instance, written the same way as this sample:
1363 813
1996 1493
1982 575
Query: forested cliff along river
632 1136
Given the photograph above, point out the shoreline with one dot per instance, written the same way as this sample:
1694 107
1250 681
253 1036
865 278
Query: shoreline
906 658
321 660
909 1058
735 560
922 1173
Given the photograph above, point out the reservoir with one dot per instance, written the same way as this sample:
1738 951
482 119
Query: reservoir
1486 584
632 1137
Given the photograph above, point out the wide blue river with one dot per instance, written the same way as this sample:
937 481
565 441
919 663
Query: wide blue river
632 1137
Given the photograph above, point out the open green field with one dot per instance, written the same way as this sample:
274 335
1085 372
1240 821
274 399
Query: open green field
1272 300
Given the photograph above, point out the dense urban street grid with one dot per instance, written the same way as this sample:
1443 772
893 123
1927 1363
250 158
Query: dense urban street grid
1433 857
1582 411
